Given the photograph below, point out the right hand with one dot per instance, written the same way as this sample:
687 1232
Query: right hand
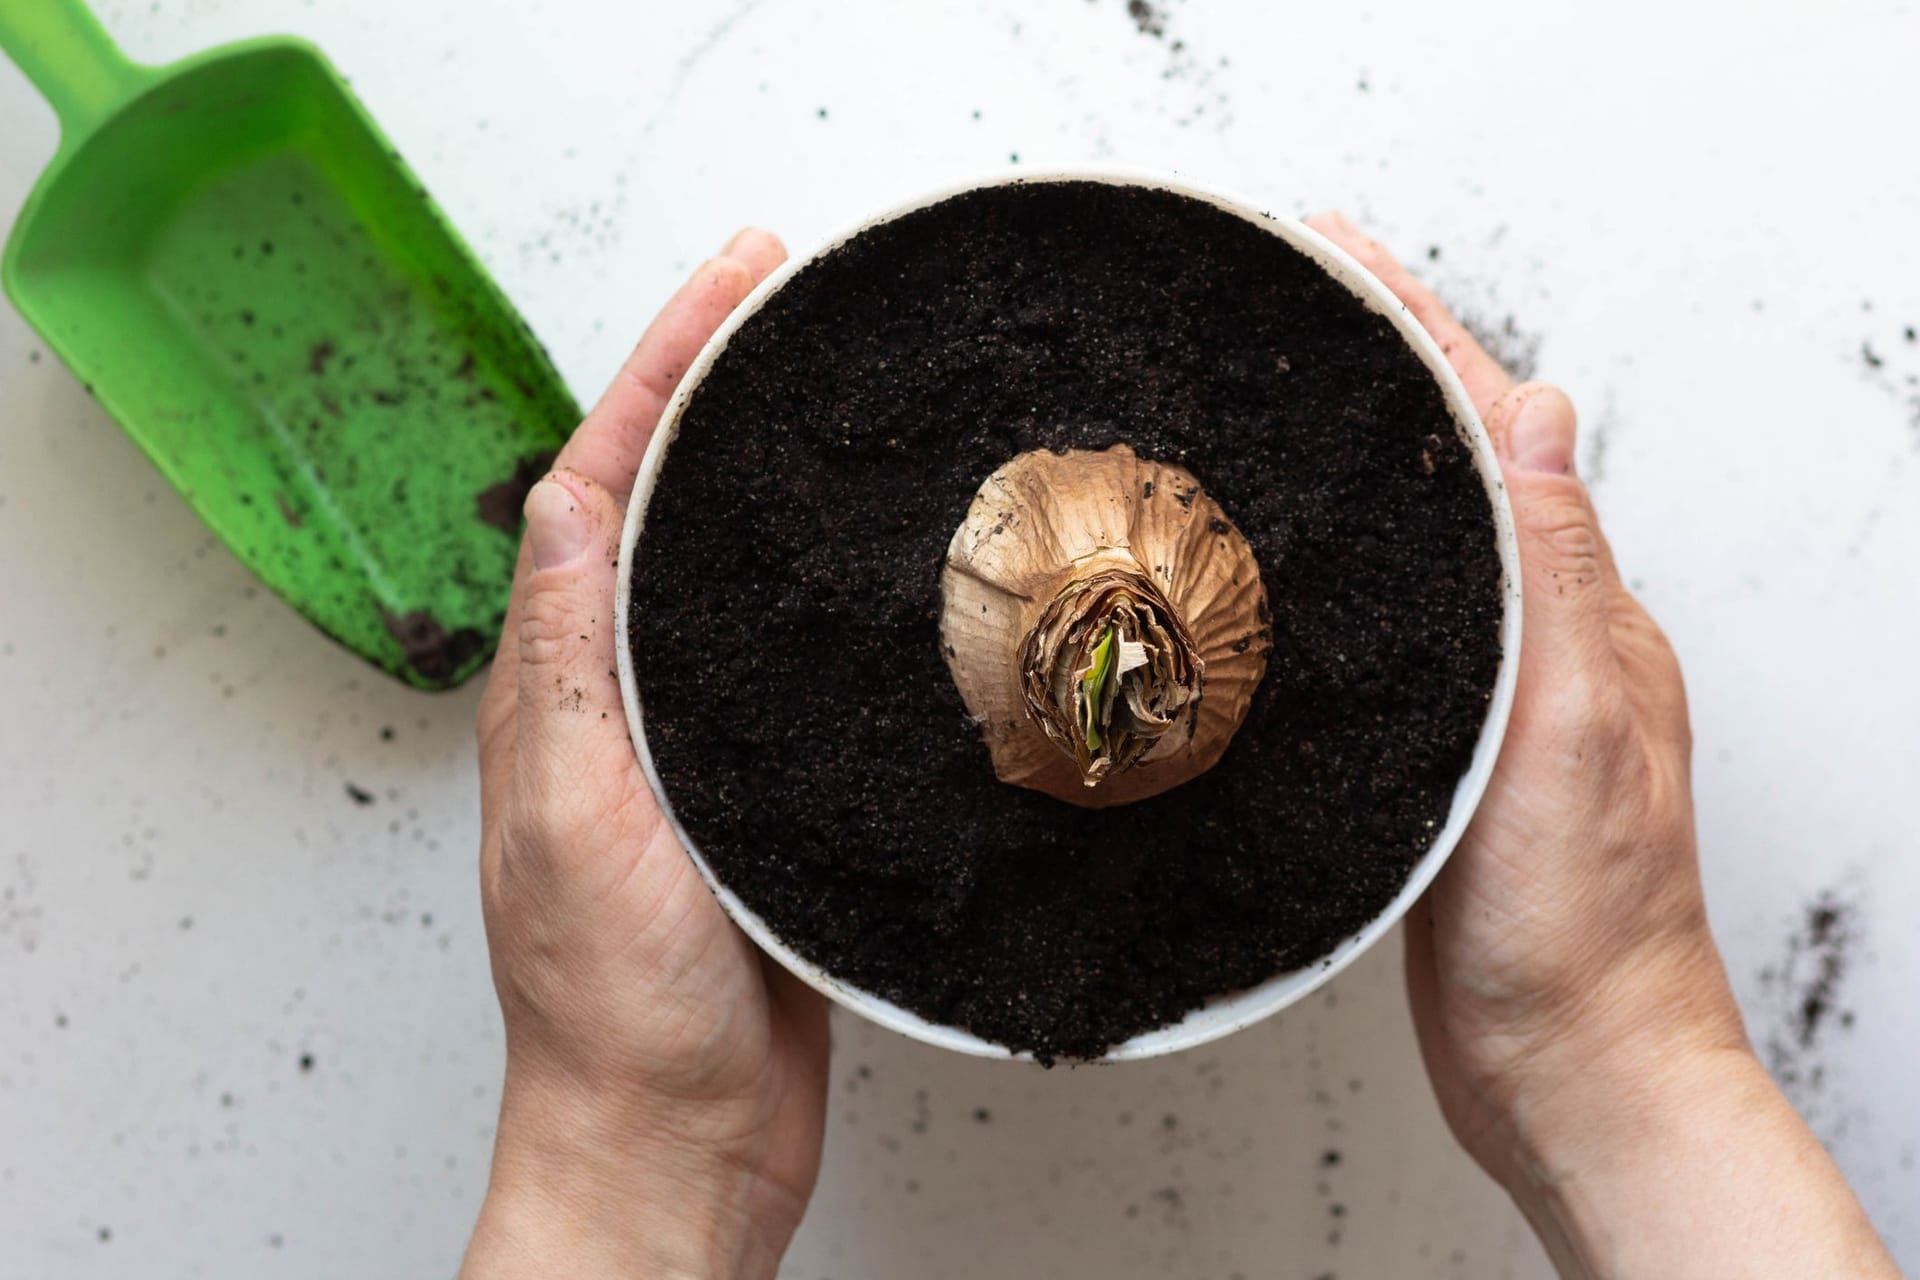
1572 1008
1572 910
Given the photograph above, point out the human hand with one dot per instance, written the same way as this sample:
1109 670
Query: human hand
1571 1006
665 1082
1570 920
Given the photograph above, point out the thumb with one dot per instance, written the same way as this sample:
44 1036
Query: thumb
1565 566
569 697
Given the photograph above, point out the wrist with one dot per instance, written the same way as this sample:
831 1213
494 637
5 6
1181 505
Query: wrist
1691 1166
1593 1070
527 1231
1622 1088
1619 1112
577 1193
1631 1142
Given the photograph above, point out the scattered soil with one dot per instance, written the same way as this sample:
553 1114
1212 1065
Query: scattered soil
1212 105
786 595
1147 17
1804 986
1891 367
1816 1002
1515 349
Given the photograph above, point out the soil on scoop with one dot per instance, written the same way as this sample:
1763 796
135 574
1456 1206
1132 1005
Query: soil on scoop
499 504
431 649
786 598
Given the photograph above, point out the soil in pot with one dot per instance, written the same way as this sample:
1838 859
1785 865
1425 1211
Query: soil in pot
786 604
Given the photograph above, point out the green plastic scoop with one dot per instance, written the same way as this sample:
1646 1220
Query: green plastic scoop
238 266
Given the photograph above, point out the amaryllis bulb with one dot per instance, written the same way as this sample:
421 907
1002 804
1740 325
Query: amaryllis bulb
1104 623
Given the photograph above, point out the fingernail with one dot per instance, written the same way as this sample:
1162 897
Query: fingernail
556 527
1540 434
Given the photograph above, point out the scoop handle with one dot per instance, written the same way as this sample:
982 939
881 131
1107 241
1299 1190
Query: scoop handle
72 61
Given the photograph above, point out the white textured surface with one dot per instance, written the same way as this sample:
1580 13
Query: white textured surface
1702 218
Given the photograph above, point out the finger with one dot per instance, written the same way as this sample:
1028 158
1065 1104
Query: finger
1535 427
759 249
493 720
567 697
1565 565
609 445
1485 380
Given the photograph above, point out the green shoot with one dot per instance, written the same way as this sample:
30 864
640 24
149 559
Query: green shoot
1093 688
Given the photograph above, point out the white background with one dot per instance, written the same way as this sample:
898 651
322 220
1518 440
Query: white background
1698 213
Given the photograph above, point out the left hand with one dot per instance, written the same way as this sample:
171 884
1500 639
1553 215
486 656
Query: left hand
665 1083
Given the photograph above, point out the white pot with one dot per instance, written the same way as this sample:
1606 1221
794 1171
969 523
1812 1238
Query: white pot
1224 1014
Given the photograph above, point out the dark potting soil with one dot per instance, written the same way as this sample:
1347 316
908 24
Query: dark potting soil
786 595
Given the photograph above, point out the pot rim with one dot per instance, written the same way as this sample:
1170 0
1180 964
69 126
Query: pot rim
1224 1014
